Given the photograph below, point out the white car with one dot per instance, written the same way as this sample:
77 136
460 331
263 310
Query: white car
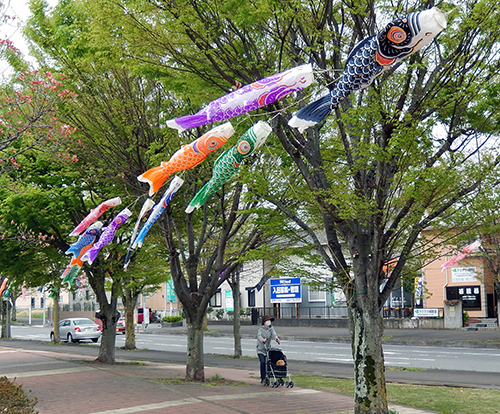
78 329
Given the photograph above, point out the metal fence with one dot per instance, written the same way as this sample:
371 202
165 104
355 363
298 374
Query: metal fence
304 312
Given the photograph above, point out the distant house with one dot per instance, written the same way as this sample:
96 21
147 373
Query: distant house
469 280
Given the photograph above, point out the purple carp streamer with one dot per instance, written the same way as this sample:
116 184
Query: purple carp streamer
107 235
248 98
95 214
373 55
175 184
188 156
228 164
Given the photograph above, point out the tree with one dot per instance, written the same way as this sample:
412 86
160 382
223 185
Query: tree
200 257
117 114
145 274
28 117
390 162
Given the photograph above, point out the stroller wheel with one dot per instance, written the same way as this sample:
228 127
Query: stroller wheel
281 381
291 384
267 382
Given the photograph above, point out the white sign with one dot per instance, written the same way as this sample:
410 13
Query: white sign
463 274
426 313
229 300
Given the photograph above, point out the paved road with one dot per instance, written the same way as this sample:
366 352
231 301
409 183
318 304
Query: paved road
426 357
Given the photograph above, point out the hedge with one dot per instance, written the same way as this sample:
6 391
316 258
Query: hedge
13 400
171 319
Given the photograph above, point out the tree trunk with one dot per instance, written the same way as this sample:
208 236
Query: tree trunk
366 328
13 312
129 327
235 287
57 309
129 301
498 309
109 316
496 287
5 312
195 364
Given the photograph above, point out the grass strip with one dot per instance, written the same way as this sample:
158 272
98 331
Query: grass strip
446 400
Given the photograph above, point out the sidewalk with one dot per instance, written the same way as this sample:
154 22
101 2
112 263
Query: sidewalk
70 381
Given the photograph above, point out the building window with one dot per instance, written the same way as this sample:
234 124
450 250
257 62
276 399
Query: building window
471 297
216 300
316 294
251 298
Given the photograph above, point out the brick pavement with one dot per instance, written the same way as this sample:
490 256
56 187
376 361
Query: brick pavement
65 382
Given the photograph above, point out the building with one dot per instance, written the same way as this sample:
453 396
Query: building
469 280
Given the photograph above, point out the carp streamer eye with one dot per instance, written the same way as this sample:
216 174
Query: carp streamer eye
244 147
396 35
212 143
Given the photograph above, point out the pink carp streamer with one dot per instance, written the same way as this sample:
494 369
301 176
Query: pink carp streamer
95 214
188 156
462 255
248 98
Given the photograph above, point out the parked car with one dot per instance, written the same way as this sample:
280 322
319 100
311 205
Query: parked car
78 329
120 326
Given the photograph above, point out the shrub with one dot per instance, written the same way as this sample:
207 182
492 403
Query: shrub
466 318
13 400
171 319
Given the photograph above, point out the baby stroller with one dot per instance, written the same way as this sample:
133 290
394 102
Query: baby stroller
277 369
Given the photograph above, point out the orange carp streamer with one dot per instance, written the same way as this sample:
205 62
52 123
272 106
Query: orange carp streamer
187 157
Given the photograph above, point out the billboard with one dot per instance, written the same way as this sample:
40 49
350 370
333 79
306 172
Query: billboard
426 313
286 290
463 274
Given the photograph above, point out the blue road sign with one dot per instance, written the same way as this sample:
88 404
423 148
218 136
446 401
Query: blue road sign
286 290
